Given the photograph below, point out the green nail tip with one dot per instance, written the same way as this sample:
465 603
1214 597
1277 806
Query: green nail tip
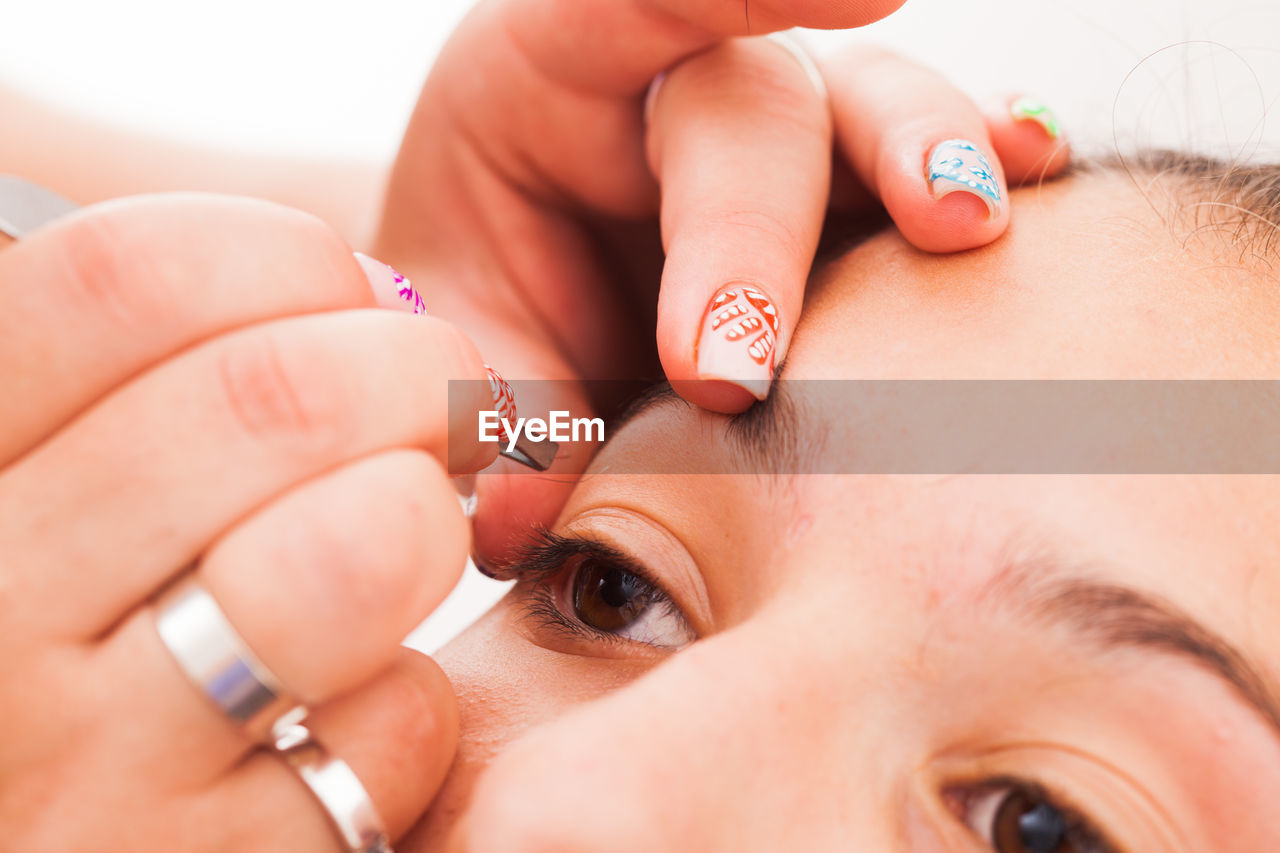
1031 109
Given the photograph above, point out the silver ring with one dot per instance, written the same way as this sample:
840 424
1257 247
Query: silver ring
339 791
211 653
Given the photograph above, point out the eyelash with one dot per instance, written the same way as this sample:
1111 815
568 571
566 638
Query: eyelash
552 555
965 796
542 562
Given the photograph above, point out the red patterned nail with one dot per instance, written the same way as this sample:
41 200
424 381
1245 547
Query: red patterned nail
739 339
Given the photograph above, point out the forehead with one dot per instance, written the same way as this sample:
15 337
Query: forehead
929 549
1089 282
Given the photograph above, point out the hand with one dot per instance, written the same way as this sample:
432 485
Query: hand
203 382
525 203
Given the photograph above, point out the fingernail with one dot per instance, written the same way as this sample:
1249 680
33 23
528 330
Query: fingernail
537 455
391 289
957 165
1028 108
738 339
504 399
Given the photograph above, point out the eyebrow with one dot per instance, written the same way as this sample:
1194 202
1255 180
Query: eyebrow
1120 617
768 434
1115 616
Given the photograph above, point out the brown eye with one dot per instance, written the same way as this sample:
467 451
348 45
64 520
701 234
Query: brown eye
1028 823
609 598
1014 816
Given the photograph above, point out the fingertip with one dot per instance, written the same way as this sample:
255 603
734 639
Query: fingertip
956 222
722 395
511 507
1028 138
945 207
772 15
398 733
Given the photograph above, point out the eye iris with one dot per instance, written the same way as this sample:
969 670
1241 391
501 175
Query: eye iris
1028 824
606 597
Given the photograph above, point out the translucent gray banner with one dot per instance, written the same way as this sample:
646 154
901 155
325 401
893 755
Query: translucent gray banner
937 427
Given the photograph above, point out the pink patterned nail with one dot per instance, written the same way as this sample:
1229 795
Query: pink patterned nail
390 288
738 339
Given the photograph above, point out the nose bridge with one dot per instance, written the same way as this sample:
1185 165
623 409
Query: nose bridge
735 744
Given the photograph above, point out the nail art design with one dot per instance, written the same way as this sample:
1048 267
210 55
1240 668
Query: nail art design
504 399
738 339
957 165
407 294
1028 108
537 455
390 288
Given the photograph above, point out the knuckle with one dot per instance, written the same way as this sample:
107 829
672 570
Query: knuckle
767 227
111 273
280 396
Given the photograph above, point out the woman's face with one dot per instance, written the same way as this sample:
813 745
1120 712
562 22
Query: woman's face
1026 664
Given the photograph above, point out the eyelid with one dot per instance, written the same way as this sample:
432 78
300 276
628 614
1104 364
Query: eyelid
652 546
544 573
1080 781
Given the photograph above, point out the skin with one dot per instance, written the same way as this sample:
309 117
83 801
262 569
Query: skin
205 383
863 643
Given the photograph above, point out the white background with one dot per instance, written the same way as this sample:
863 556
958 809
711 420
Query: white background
338 79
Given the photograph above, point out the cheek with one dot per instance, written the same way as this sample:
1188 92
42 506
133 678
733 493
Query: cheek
506 686
719 748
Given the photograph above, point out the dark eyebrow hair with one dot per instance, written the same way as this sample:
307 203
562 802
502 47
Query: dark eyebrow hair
767 434
1116 617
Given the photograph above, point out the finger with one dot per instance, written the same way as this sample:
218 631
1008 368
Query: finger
616 48
548 132
740 141
514 502
398 735
139 486
321 585
921 146
100 296
1028 138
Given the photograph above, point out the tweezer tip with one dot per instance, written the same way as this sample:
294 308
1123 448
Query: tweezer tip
537 455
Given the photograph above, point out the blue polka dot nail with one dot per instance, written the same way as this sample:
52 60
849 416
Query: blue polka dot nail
957 165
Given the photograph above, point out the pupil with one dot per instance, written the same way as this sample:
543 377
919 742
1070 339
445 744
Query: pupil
1043 829
1026 822
607 597
617 587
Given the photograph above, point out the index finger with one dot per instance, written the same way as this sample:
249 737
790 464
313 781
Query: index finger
93 300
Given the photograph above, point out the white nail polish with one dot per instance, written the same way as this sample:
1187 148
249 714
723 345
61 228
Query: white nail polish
957 165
